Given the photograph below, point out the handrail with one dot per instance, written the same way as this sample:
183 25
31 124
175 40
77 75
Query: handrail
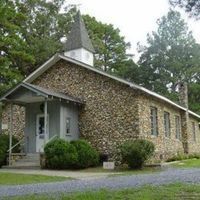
9 150
50 139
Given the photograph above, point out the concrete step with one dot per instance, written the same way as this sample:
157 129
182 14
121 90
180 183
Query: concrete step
20 167
33 156
23 165
29 161
26 164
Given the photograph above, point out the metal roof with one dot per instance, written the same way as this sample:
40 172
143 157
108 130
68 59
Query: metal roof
58 57
78 36
42 92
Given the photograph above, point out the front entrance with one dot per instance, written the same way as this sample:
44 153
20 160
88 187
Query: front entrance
40 132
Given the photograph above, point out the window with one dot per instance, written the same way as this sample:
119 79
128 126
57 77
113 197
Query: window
166 124
178 127
194 131
68 124
154 121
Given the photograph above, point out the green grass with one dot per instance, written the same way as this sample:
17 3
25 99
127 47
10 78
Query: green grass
176 191
188 163
19 179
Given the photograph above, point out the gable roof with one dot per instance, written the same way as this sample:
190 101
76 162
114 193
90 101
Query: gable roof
58 57
40 92
78 36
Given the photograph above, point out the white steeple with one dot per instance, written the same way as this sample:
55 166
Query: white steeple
78 45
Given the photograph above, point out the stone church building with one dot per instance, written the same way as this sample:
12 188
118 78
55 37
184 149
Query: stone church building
68 97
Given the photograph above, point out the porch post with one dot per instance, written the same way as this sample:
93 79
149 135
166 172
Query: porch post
45 121
10 133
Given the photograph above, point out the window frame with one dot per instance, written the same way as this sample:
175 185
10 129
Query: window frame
167 124
178 127
194 131
68 126
154 120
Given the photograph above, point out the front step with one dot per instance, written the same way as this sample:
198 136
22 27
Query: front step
20 167
30 161
33 156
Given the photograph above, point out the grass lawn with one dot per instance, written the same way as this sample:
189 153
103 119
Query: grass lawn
169 192
19 179
188 163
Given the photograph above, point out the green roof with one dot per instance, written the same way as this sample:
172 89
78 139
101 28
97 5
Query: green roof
78 36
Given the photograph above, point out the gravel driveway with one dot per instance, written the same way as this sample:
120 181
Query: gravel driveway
168 176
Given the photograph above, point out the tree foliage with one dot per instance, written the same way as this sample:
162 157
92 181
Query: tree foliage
190 6
131 72
109 45
36 27
194 96
171 56
13 49
43 28
45 25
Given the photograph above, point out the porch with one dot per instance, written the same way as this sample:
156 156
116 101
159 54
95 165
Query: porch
48 114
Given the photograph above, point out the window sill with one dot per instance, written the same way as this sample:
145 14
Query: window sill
179 139
154 136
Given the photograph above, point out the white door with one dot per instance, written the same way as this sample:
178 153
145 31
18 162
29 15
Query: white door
40 136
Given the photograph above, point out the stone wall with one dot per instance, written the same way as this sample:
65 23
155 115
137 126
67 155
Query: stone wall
194 146
113 112
110 114
18 120
165 146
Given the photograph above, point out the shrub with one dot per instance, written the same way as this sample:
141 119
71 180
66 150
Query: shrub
87 155
183 157
135 153
4 146
177 157
60 154
194 155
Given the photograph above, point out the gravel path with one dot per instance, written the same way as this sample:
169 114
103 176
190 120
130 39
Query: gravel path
168 176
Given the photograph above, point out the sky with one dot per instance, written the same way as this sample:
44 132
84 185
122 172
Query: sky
134 18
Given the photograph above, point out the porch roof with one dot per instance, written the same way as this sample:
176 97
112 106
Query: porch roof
37 94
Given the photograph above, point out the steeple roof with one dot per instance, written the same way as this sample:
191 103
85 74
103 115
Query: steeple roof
78 36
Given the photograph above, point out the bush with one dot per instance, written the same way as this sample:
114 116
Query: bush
194 155
135 153
183 157
87 156
60 154
177 157
4 146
